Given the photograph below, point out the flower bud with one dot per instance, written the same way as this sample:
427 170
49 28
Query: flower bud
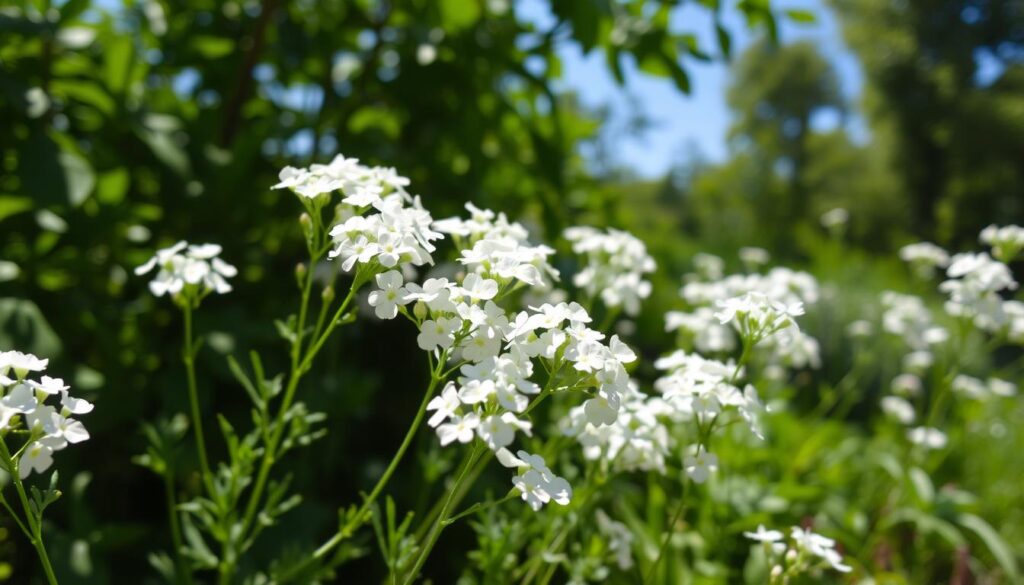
776 573
307 224
328 294
792 556
300 274
420 310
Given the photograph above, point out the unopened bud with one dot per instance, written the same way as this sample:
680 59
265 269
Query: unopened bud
791 556
420 310
300 274
328 294
307 224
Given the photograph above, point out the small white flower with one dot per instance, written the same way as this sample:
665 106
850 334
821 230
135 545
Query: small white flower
37 457
458 429
701 465
764 535
21 363
444 405
391 294
436 334
928 437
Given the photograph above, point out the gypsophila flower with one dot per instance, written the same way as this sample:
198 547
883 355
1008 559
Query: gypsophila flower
23 407
192 271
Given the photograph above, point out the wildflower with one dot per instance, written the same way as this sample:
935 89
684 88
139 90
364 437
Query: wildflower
614 265
1006 241
764 535
47 429
924 257
700 465
194 270
458 428
835 218
928 437
390 295
899 409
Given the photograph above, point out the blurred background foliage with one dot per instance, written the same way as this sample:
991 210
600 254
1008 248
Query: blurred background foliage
129 125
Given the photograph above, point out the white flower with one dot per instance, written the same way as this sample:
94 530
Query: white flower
444 405
615 263
459 428
899 409
48 385
752 256
1006 241
21 399
700 465
835 218
924 257
37 457
479 288
538 485
500 431
436 334
21 363
763 535
184 267
928 437
391 294
620 539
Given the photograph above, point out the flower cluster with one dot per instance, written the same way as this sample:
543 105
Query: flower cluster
189 270
924 258
753 307
638 439
805 552
1006 242
23 406
497 352
497 249
362 186
614 267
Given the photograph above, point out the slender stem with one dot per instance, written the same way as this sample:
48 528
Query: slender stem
14 515
668 533
442 518
270 453
358 518
188 356
34 525
184 574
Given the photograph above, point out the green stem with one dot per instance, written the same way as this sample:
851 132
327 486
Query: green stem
270 454
35 527
193 397
442 518
184 574
668 533
358 519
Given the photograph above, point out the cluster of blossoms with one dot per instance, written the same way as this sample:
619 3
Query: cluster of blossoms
494 248
23 407
496 351
974 286
638 440
1006 242
806 552
614 267
724 310
378 224
189 270
925 258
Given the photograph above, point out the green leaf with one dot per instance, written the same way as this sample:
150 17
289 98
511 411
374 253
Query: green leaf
211 47
995 543
117 63
922 484
724 40
459 14
79 177
802 16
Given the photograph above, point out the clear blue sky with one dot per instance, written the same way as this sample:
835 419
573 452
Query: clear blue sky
700 119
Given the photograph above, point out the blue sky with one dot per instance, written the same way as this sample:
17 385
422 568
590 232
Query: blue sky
681 122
